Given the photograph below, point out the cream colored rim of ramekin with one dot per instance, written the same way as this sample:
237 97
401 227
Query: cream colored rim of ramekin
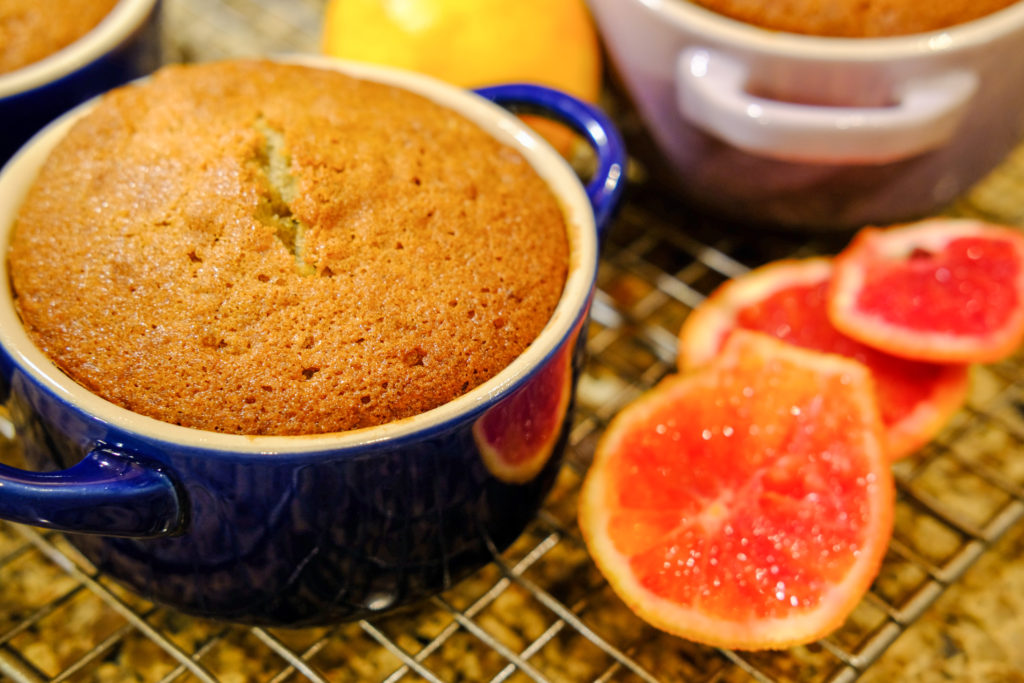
752 38
124 18
21 170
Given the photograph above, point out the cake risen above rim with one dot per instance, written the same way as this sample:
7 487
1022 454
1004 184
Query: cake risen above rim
254 247
855 18
31 30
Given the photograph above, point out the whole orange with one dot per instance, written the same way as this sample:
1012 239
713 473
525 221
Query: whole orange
473 43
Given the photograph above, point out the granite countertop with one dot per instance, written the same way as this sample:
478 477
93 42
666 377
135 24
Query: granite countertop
948 604
973 632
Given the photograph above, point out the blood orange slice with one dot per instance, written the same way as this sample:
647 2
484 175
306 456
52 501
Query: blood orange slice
747 504
516 437
788 299
943 290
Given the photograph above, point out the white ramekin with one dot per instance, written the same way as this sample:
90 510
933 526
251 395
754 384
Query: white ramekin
817 132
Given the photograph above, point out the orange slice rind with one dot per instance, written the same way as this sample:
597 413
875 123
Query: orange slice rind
940 290
747 504
517 437
788 299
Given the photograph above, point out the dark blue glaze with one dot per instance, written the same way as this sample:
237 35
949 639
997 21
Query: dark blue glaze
139 499
286 538
608 183
23 114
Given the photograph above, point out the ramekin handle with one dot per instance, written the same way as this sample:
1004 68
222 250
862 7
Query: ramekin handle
108 492
711 94
605 187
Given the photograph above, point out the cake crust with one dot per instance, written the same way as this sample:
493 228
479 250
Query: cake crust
260 248
31 30
855 18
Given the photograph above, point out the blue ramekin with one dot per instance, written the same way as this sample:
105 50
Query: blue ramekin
121 48
282 530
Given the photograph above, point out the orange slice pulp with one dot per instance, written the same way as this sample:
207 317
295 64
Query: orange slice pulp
788 299
517 437
943 290
747 504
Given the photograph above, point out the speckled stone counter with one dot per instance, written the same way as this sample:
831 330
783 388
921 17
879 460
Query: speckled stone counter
974 631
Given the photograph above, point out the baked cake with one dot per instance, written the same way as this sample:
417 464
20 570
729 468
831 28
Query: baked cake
260 248
855 18
33 29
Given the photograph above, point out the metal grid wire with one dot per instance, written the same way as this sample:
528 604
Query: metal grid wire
541 611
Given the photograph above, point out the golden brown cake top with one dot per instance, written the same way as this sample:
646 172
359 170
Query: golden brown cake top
259 248
855 18
33 29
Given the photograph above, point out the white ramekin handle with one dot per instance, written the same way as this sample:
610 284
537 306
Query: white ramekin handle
926 112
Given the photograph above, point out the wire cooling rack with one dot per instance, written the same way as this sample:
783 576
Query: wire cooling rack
541 611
